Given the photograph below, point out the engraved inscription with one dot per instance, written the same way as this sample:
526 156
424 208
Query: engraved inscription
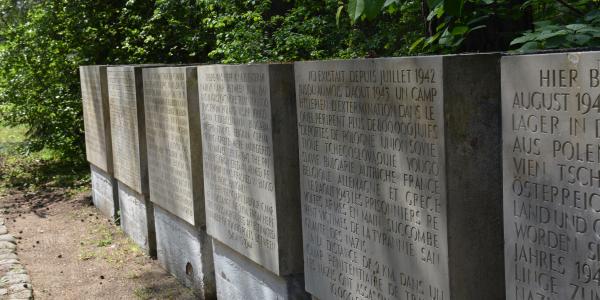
93 116
238 160
551 137
168 140
124 126
372 167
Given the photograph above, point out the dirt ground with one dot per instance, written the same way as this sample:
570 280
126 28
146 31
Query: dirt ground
71 251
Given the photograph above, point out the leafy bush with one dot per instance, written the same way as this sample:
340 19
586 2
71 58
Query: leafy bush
549 35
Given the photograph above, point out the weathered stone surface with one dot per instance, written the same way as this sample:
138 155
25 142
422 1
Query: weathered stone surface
239 278
8 238
174 141
3 229
7 245
400 177
186 252
8 256
14 281
249 139
137 218
126 102
10 261
551 175
105 195
94 93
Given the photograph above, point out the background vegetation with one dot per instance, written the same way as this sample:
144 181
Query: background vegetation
42 42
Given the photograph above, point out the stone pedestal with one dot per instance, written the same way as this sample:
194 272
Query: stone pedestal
186 252
551 134
241 279
401 177
104 193
137 218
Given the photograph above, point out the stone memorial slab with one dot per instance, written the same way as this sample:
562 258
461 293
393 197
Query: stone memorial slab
126 102
551 151
127 121
249 139
96 119
174 141
400 177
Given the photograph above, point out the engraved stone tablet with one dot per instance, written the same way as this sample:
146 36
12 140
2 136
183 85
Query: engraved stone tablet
94 93
551 137
125 96
400 187
174 141
249 137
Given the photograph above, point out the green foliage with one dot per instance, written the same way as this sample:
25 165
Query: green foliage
38 67
42 43
248 32
35 170
471 25
549 35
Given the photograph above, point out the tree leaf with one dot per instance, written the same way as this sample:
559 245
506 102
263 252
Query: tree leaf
459 30
579 39
523 39
576 27
390 2
338 15
416 44
356 9
529 47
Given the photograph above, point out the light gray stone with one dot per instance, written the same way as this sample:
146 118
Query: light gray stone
15 279
8 238
126 102
94 93
174 141
186 252
105 194
8 256
137 218
7 245
239 279
3 229
9 261
400 177
24 294
249 140
551 152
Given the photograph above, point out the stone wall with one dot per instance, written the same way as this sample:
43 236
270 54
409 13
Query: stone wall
414 178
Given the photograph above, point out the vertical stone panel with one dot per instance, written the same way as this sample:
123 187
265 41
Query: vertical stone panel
551 134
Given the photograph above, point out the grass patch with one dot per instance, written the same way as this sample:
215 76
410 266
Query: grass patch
110 244
33 171
143 293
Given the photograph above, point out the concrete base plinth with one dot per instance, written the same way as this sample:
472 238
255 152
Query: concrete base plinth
238 278
104 193
137 218
186 252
